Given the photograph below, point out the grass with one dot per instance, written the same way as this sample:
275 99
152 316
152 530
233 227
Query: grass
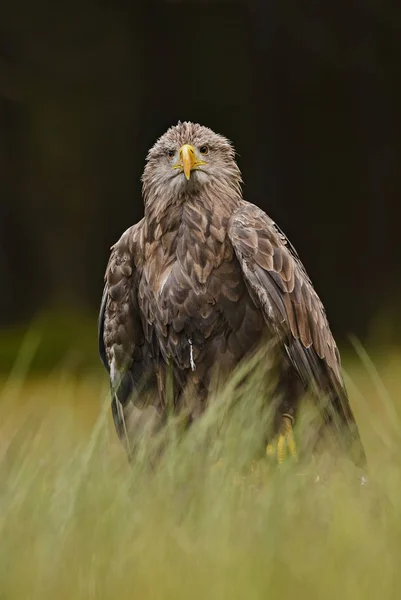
77 522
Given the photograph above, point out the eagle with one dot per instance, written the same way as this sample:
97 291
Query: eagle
201 281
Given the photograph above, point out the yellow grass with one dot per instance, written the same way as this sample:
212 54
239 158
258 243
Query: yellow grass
211 522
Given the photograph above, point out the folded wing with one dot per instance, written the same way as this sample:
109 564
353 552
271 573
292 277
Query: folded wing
122 345
280 286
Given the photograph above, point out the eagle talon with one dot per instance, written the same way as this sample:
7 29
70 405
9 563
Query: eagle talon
285 441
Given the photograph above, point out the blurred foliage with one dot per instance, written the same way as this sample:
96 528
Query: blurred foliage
52 341
212 519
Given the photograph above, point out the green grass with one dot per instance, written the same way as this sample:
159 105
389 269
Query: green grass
76 521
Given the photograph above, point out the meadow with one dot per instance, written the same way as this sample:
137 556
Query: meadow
209 522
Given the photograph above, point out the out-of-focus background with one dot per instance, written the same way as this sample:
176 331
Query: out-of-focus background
308 92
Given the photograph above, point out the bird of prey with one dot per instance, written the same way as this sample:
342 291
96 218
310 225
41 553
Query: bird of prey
203 279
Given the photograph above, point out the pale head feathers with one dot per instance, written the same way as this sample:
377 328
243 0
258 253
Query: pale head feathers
219 179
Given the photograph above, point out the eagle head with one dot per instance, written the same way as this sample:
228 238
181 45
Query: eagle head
188 159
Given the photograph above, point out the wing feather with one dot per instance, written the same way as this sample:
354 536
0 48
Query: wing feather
122 345
280 286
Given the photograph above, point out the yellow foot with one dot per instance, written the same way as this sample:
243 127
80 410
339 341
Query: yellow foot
285 441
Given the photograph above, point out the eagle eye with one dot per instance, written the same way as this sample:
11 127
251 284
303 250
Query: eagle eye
170 153
204 150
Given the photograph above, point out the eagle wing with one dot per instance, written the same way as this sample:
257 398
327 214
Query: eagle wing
122 345
280 286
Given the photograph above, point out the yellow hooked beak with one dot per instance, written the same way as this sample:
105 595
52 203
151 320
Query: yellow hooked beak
188 160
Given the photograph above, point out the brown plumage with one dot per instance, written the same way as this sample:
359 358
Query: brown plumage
201 280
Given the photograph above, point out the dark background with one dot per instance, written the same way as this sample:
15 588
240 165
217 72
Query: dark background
309 92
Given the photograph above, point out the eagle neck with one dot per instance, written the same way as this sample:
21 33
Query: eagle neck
170 216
